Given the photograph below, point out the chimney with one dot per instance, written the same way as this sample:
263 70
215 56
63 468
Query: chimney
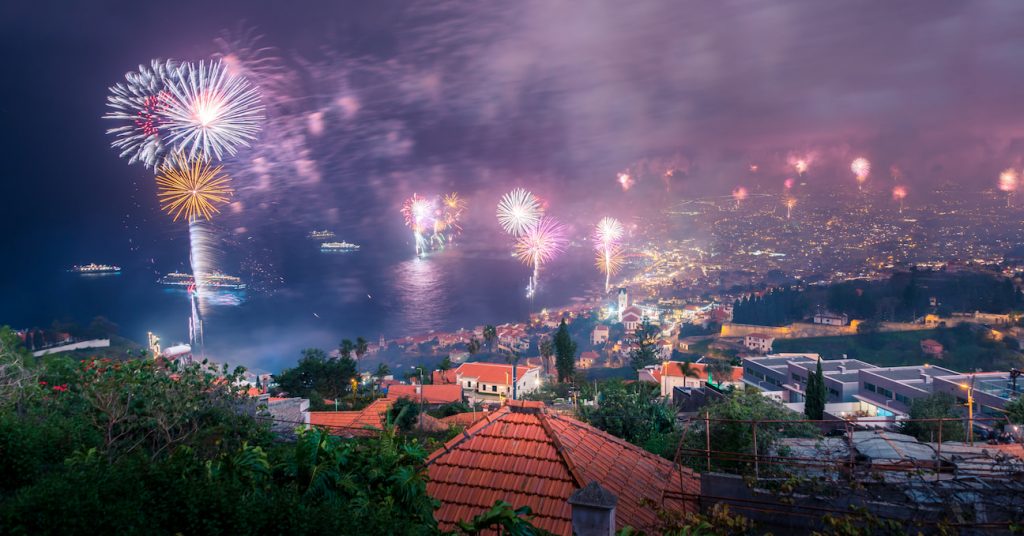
593 511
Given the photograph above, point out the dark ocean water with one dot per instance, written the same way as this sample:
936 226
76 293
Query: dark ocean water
381 290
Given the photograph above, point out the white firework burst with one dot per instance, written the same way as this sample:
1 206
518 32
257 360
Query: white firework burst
212 112
518 211
138 104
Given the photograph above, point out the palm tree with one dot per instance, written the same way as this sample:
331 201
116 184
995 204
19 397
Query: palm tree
473 346
688 370
490 335
382 370
345 348
361 347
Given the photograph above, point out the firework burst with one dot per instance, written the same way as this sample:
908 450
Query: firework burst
518 211
739 194
541 243
138 104
861 168
790 203
899 193
607 234
1008 181
192 189
625 180
419 216
212 112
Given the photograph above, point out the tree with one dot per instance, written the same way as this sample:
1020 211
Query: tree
633 412
815 395
473 346
565 352
1015 410
490 335
731 430
346 348
404 413
934 406
361 347
15 376
646 352
445 364
318 376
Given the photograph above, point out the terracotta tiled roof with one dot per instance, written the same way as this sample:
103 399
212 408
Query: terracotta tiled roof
464 419
529 457
496 373
431 394
443 376
674 368
759 336
367 421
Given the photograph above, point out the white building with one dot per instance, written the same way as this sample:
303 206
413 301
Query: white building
496 378
759 342
831 319
599 335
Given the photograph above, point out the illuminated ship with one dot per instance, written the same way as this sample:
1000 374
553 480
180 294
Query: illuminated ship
339 246
214 280
93 268
321 235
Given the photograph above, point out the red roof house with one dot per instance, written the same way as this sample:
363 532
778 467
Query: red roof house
529 457
365 422
428 394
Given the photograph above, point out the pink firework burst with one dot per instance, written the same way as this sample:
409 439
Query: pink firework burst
541 242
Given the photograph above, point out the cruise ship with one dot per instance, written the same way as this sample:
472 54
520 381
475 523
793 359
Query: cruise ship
321 235
214 280
338 247
93 268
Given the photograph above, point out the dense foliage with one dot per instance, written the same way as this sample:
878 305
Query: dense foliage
565 353
131 448
319 377
635 413
816 395
935 406
731 431
646 351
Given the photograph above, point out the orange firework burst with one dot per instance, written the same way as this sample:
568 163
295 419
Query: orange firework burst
790 203
192 189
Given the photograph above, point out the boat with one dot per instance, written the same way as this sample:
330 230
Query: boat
213 280
93 268
321 235
338 246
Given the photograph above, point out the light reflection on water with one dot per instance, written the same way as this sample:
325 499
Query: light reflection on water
423 294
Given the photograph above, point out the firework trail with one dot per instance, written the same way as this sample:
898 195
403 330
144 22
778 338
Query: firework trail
139 104
212 112
452 207
1008 181
541 243
202 254
419 216
607 237
790 203
191 189
861 168
519 211
899 193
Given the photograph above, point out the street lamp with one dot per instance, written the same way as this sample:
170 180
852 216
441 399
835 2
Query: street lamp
970 409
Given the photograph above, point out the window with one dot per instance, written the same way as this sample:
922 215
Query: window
494 388
870 387
833 392
903 398
885 392
797 378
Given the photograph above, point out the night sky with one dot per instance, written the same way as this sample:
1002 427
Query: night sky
371 101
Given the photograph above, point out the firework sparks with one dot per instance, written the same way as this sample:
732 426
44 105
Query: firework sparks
1008 181
607 234
419 216
212 112
790 203
899 193
788 184
861 168
138 104
625 181
739 194
192 189
800 166
541 243
518 211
